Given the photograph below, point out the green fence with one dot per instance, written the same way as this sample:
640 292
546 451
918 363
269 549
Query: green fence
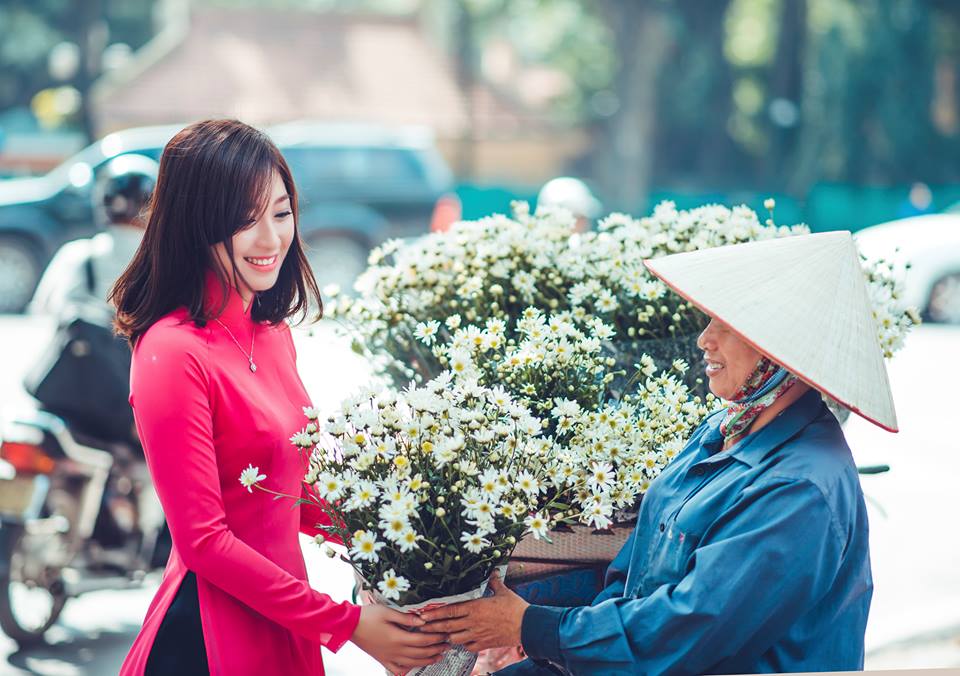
827 207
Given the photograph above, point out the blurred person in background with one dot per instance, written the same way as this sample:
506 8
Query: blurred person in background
83 271
83 376
919 201
573 195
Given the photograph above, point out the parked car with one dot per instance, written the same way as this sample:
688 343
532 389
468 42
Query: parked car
40 214
931 245
360 185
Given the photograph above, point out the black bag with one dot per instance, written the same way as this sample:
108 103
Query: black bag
84 375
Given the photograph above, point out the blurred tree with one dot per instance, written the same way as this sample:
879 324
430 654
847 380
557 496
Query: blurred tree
869 87
57 46
626 147
696 77
773 95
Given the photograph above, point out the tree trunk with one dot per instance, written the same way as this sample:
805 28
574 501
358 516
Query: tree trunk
624 158
91 37
466 81
786 84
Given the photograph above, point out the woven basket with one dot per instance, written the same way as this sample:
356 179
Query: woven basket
579 547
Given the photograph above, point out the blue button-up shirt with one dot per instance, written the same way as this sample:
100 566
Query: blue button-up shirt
753 559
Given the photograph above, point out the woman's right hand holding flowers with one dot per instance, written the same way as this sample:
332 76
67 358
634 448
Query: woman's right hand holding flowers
385 634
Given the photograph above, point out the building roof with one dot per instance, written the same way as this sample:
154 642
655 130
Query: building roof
268 66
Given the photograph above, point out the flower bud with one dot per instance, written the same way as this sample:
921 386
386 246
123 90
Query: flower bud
428 565
441 512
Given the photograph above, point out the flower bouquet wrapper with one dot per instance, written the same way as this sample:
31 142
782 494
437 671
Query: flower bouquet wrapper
457 661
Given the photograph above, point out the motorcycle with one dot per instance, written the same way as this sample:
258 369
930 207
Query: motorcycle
77 514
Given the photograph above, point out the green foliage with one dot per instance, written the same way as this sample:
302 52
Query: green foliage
29 31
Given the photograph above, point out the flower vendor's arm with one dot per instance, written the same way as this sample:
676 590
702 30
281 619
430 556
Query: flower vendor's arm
176 427
756 570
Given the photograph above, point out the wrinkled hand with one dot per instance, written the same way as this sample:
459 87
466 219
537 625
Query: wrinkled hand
485 623
382 634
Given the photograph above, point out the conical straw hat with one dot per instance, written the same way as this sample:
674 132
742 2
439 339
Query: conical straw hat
802 301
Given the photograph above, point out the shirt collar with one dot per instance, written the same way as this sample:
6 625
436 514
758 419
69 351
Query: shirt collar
234 316
752 448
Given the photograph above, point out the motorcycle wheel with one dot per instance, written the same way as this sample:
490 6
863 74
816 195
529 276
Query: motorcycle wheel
27 609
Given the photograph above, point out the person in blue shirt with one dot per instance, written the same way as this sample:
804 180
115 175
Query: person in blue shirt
751 548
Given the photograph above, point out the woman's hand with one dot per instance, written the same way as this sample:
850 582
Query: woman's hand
382 633
485 623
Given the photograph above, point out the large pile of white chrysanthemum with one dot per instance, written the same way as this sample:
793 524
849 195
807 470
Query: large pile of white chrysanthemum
488 272
494 268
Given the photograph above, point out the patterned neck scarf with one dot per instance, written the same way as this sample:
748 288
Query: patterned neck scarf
766 384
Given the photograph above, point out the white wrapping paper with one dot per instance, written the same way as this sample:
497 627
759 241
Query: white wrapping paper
457 661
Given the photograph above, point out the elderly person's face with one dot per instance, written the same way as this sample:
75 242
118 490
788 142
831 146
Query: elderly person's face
730 360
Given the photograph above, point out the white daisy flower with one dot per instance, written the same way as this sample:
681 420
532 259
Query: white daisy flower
392 585
598 515
365 546
394 528
250 477
364 494
301 439
407 540
527 483
538 525
329 486
601 476
474 542
426 332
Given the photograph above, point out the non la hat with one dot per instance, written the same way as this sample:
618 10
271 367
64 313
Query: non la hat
800 300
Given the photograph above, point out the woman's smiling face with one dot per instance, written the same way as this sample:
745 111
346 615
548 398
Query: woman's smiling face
260 248
730 359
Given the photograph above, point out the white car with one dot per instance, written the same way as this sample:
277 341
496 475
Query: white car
931 245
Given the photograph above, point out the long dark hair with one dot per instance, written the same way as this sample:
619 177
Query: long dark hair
214 177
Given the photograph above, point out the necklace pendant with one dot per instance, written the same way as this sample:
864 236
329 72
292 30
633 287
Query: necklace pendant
253 367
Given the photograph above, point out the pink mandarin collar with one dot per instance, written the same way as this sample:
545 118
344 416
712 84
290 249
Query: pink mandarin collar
234 316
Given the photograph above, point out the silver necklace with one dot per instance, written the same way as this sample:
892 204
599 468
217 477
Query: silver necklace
253 367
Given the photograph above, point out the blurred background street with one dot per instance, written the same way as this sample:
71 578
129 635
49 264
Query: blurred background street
399 117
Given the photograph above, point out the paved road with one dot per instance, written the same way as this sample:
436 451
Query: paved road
915 619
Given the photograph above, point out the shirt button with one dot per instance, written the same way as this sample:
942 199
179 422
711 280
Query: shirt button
663 527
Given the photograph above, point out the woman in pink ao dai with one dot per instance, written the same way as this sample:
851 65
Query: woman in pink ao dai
215 391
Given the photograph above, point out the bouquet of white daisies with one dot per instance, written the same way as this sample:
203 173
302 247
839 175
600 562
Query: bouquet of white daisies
431 488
